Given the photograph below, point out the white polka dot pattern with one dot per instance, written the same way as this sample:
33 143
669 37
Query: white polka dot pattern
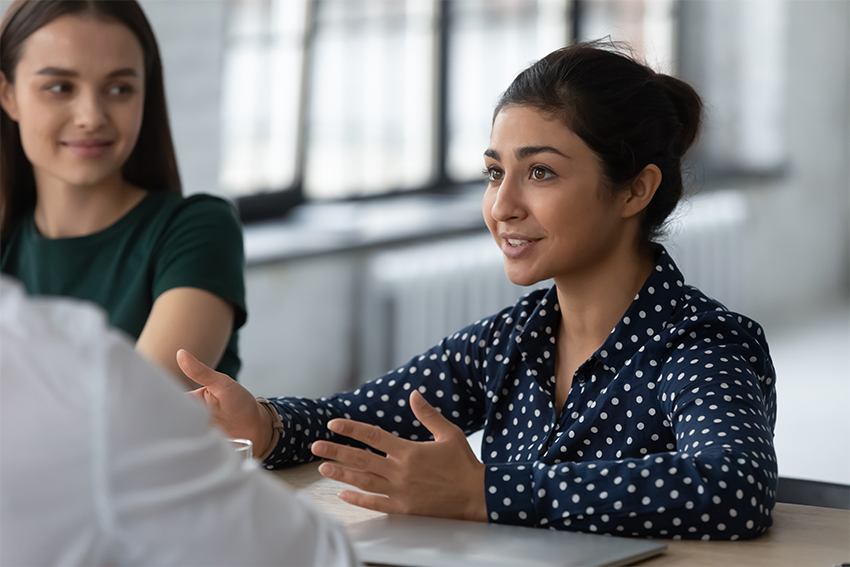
667 430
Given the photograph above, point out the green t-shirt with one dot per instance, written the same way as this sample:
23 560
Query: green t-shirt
165 241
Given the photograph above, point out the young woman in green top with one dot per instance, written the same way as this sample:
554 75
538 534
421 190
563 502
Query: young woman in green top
91 196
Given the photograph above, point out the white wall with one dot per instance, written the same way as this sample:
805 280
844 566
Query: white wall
189 33
799 239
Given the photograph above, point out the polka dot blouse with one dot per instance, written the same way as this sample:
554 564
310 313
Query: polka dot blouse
667 430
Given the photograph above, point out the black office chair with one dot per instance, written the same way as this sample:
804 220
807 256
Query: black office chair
813 493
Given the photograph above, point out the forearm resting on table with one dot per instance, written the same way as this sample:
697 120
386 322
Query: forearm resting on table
188 318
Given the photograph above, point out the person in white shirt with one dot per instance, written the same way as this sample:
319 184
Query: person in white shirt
104 461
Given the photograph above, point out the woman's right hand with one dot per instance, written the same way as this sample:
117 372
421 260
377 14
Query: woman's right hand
234 409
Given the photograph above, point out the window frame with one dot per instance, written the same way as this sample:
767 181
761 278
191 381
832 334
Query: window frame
276 203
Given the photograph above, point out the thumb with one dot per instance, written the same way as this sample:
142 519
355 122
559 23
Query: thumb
200 372
431 418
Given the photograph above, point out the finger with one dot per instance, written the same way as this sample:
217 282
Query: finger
371 435
200 372
353 457
374 502
431 418
358 479
198 394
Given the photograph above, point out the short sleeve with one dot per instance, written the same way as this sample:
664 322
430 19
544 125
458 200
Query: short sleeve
202 247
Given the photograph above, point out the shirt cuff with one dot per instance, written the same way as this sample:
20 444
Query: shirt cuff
277 428
510 494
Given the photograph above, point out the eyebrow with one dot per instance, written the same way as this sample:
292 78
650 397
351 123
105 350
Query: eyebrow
60 72
527 151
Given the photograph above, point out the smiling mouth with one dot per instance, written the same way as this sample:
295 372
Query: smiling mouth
88 149
516 248
87 144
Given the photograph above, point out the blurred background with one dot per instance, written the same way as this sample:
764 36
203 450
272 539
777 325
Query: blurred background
350 135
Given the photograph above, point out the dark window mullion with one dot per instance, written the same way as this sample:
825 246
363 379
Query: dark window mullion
441 135
576 9
303 134
275 204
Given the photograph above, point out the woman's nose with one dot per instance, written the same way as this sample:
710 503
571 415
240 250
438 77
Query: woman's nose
508 203
89 113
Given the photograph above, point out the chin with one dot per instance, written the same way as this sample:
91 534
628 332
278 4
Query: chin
519 278
87 179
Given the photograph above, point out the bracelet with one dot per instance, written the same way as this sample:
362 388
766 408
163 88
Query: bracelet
277 428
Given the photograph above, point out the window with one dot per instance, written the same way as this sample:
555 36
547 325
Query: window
649 27
490 42
735 56
371 104
336 99
264 59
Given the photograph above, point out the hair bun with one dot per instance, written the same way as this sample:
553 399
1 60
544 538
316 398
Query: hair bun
688 107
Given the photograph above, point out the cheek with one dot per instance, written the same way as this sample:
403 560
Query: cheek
592 225
487 207
574 218
131 121
38 126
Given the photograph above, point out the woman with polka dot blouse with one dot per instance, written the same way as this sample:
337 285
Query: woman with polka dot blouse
619 401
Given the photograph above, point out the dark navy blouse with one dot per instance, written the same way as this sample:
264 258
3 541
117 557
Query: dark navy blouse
667 430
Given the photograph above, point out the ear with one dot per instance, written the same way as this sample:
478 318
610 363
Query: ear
641 191
7 97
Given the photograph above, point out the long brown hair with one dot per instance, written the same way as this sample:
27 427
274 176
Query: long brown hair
152 164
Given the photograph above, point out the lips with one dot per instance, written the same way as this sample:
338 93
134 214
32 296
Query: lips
88 149
515 246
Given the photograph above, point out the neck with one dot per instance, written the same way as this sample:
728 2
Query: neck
593 301
66 211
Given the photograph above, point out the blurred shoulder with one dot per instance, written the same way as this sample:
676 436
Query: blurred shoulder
45 318
201 203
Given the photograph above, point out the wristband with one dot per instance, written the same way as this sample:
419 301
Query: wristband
277 428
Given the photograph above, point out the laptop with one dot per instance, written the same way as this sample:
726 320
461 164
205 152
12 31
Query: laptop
414 541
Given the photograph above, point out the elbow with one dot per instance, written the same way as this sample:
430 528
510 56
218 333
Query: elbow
754 508
744 498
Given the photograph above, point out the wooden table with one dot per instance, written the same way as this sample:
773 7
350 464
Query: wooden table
801 535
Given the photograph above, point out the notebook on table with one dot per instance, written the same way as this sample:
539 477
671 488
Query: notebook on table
413 541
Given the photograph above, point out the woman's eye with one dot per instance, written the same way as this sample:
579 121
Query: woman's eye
540 173
118 90
493 174
59 88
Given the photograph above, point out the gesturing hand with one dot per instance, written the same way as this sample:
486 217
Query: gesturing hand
234 409
439 478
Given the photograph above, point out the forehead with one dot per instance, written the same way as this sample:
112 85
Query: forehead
523 126
87 45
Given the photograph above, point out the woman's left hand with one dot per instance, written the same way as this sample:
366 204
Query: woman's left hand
440 478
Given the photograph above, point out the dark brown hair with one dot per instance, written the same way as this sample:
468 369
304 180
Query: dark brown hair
629 115
152 164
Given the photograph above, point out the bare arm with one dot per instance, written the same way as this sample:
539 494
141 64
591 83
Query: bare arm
189 318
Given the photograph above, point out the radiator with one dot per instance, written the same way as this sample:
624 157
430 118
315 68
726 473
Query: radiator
415 296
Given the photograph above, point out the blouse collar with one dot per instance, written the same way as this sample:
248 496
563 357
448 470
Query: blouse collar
647 316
